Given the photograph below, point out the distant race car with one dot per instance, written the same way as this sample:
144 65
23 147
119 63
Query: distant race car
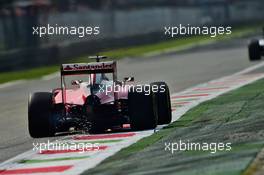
256 49
91 99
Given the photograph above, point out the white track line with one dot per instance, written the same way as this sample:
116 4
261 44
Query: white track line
12 83
247 70
50 76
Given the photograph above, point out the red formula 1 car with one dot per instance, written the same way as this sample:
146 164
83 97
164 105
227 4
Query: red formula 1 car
92 100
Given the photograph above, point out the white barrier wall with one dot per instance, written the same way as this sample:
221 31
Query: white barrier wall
123 23
242 11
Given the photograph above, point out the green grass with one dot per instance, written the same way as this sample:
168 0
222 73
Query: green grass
236 117
134 51
27 74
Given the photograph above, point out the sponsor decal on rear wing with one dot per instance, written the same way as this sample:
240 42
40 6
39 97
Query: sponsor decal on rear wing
89 68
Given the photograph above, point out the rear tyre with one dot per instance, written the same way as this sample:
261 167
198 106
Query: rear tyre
40 122
254 50
162 94
142 111
96 129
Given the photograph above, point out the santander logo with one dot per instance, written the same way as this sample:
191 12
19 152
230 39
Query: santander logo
79 67
67 68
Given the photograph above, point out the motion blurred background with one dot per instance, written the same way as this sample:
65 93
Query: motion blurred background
122 23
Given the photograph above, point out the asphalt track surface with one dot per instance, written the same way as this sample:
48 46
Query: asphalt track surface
179 70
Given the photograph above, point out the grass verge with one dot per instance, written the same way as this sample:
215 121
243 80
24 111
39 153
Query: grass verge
27 74
236 117
134 51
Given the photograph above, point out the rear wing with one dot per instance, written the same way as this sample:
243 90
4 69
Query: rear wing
88 68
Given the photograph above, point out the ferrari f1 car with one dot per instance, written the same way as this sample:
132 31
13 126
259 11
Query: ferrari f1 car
91 99
256 49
